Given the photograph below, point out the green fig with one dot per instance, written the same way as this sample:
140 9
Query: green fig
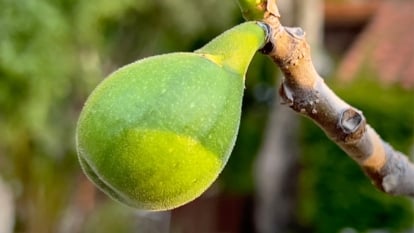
156 133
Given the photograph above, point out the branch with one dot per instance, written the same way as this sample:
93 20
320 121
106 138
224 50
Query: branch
305 91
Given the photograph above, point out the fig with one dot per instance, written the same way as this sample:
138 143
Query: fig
156 133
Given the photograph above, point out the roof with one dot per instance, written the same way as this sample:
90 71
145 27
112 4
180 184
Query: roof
386 46
349 13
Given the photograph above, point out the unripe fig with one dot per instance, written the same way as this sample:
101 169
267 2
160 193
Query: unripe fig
156 133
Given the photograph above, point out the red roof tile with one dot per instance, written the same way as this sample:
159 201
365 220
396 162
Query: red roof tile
386 46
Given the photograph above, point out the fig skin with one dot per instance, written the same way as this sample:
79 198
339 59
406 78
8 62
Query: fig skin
156 133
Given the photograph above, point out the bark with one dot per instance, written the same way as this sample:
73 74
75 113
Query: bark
305 91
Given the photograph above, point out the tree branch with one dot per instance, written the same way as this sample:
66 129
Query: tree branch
305 91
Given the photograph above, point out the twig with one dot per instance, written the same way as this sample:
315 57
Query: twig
305 91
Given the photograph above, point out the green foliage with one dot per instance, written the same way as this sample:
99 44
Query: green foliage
335 193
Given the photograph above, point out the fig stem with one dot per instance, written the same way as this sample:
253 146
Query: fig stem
257 9
235 48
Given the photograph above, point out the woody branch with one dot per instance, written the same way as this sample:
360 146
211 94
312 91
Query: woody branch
305 92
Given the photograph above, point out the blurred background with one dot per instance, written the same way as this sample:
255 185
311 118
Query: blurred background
284 175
